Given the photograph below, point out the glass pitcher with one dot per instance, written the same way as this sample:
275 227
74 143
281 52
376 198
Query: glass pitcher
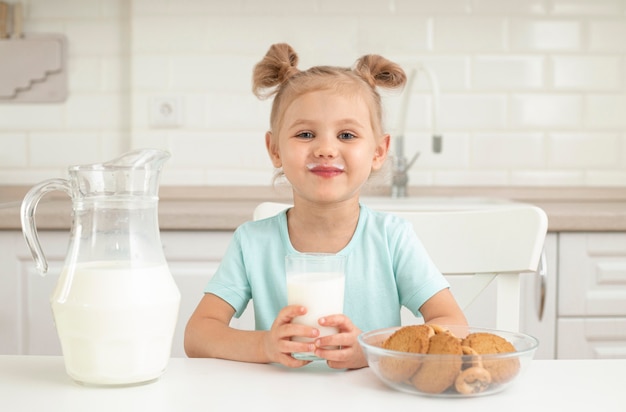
115 304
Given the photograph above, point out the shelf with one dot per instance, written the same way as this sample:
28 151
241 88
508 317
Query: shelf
33 69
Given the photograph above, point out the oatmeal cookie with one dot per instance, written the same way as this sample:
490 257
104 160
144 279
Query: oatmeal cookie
412 339
501 370
437 375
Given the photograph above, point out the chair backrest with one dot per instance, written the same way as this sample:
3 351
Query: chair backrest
492 244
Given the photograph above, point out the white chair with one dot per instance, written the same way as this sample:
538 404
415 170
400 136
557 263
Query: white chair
488 245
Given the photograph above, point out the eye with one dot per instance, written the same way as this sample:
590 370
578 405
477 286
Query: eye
346 136
305 135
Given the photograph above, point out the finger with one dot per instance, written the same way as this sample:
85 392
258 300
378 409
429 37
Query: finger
286 314
341 322
290 347
290 361
291 330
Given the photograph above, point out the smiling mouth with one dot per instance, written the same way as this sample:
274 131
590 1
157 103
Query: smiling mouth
326 170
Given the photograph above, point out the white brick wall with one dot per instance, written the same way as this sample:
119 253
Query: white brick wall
533 92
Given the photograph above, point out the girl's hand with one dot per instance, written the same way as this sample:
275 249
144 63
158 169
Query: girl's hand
277 343
348 353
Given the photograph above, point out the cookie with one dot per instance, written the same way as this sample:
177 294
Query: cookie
437 375
501 370
472 380
412 339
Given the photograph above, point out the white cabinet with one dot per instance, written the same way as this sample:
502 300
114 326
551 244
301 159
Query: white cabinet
26 324
592 296
193 258
586 275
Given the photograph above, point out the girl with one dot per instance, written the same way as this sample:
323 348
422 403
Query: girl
326 136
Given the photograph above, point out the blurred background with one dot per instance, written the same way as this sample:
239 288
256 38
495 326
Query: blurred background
532 92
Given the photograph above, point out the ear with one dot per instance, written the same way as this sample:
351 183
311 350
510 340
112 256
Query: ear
272 150
380 152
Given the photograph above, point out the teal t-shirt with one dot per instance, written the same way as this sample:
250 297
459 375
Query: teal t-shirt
386 268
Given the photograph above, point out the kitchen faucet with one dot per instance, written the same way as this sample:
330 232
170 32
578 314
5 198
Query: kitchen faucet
401 164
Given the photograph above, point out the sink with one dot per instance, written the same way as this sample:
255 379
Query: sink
426 203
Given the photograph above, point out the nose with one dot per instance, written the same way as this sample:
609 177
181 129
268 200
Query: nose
325 146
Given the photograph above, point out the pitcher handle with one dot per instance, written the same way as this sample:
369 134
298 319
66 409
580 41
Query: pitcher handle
27 215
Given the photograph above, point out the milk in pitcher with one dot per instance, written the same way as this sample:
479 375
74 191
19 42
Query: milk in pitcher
116 321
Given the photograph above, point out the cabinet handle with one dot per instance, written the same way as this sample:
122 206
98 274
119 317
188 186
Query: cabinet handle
542 274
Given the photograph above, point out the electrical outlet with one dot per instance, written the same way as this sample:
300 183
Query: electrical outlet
165 112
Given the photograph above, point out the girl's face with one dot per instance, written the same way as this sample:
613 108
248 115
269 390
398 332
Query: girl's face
326 146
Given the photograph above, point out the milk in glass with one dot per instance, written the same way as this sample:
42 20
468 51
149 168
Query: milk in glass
321 293
315 281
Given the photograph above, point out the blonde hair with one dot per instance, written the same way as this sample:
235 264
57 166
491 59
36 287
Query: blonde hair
278 74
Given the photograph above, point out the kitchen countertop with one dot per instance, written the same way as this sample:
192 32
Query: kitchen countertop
32 383
225 208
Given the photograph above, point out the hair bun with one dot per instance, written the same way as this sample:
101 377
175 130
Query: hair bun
279 64
378 71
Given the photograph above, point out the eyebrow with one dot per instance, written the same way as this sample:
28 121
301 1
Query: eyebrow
347 122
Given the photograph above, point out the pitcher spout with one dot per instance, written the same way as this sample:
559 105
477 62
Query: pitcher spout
147 159
135 174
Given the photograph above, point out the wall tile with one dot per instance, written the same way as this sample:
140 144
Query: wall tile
85 74
228 112
607 35
96 112
379 8
545 35
507 72
116 74
185 7
471 178
63 9
606 111
202 150
605 178
183 177
545 110
192 73
463 112
164 34
538 7
410 34
418 113
64 149
514 151
451 71
464 34
587 73
585 7
93 38
318 39
31 117
427 6
157 139
547 178
13 153
582 150
150 72
30 176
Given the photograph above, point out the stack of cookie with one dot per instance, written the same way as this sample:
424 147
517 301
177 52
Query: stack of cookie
467 373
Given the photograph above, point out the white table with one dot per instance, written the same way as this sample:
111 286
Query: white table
39 383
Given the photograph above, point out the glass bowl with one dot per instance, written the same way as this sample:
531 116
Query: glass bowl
449 375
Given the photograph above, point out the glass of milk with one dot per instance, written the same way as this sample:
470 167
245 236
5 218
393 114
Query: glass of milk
315 281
